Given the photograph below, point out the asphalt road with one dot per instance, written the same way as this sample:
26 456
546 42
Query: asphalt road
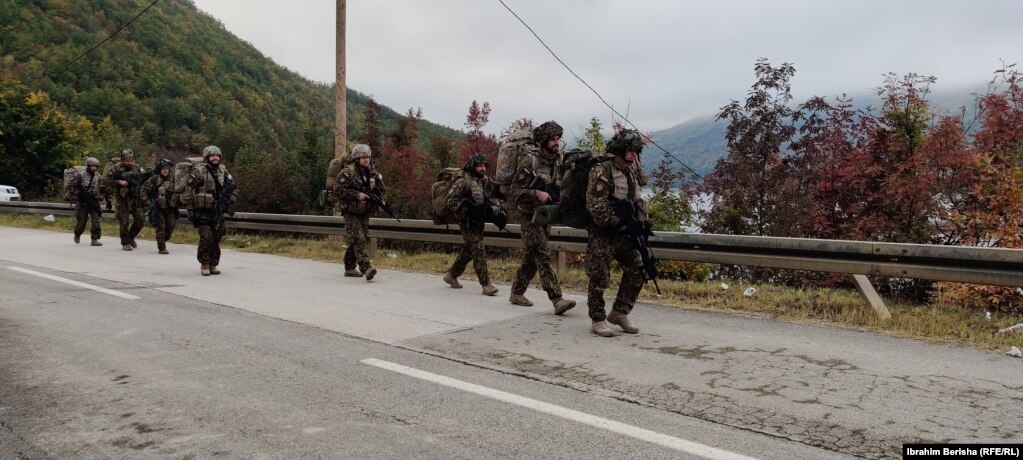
280 357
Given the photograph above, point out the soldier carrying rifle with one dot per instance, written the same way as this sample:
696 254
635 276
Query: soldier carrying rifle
359 190
122 182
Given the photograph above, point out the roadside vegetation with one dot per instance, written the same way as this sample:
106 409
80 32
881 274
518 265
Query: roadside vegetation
938 320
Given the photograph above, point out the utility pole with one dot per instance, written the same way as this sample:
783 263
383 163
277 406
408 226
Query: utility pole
341 93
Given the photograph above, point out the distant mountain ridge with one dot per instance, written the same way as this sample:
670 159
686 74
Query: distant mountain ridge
700 141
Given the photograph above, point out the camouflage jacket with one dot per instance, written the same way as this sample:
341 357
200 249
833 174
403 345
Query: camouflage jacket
524 199
348 184
201 187
116 189
162 188
609 182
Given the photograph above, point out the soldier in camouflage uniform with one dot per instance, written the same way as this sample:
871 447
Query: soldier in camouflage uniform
208 185
122 183
348 190
161 187
90 183
613 190
546 164
468 201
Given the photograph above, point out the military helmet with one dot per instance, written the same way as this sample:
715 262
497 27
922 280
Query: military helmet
127 153
91 162
163 162
360 151
475 160
625 140
210 150
547 131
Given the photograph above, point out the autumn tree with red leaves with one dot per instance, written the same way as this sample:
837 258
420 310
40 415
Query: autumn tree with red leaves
476 141
408 172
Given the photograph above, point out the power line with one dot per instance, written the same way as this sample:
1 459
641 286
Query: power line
595 91
108 37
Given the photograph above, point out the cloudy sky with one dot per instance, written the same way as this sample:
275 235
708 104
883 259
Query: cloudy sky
663 61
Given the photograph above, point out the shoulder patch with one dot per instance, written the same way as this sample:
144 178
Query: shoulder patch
600 185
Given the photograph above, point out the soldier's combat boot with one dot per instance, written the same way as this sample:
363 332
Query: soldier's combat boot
452 281
214 270
133 244
78 238
126 247
164 251
205 270
600 328
561 305
519 299
622 321
353 272
370 273
96 243
489 290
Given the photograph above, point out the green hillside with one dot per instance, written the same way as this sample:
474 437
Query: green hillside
171 82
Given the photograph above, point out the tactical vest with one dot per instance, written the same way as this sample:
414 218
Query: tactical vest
204 187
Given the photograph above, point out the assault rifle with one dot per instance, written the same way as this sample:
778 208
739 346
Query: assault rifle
377 201
222 195
485 212
538 183
637 234
89 201
131 178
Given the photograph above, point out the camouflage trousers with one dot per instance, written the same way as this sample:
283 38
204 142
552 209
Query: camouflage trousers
604 245
82 216
538 257
166 220
357 236
130 218
209 237
473 250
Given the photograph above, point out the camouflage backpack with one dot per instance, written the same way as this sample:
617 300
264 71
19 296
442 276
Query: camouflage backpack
72 180
512 148
182 170
446 179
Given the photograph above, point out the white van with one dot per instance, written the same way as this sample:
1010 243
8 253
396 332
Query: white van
8 193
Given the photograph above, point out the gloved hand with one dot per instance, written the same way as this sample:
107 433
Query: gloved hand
500 220
622 208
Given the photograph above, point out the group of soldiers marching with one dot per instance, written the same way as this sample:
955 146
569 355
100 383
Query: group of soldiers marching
612 199
208 189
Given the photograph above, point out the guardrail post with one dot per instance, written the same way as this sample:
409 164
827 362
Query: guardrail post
372 249
562 267
870 295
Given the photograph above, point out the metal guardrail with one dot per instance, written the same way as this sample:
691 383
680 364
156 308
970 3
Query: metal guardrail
994 266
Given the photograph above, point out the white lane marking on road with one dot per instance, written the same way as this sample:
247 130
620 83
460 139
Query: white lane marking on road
76 283
671 442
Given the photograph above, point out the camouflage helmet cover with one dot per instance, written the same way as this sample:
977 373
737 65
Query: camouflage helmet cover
624 141
360 151
547 131
127 153
91 162
210 150
475 160
162 163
